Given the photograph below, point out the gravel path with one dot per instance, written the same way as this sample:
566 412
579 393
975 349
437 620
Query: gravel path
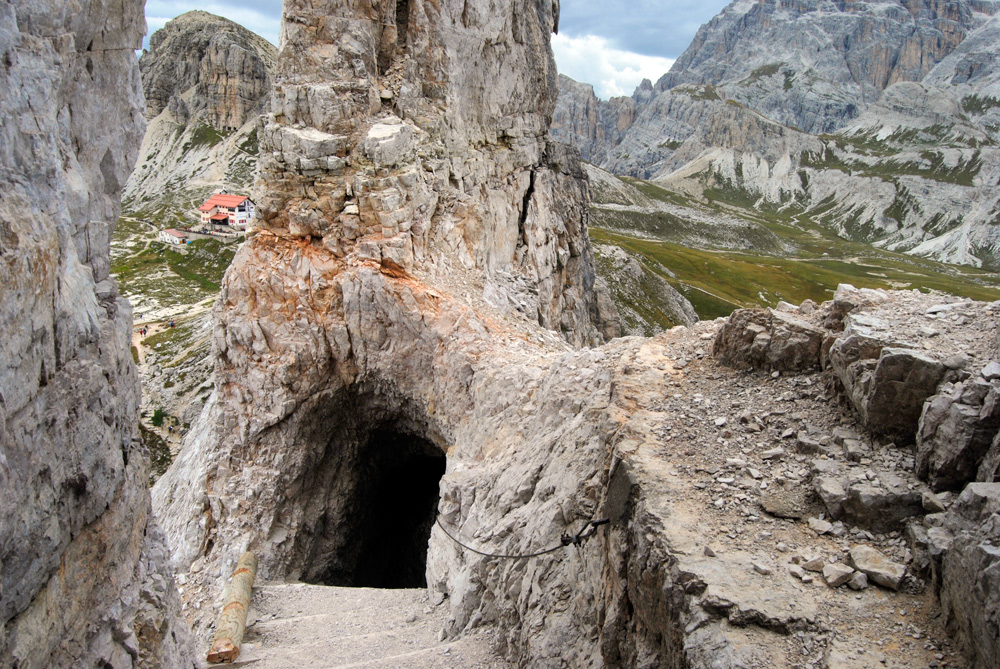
298 625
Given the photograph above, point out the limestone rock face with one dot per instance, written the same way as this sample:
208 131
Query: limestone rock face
593 126
200 64
478 192
412 307
78 554
964 541
421 257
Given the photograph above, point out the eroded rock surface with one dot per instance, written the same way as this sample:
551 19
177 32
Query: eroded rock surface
412 310
83 577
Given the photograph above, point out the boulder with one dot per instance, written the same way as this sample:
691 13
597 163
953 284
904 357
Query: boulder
877 566
956 431
769 340
887 386
837 574
792 503
858 581
881 505
831 491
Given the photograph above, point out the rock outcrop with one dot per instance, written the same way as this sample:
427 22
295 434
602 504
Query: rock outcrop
83 577
877 119
960 546
418 228
957 428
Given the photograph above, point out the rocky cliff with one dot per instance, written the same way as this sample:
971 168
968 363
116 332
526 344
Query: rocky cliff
416 221
399 369
206 81
593 126
872 118
83 577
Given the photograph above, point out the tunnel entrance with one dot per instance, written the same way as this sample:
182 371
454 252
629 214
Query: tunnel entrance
393 497
402 22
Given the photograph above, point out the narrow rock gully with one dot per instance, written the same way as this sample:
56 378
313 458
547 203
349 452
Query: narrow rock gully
300 625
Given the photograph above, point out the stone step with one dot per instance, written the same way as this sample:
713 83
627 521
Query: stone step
295 625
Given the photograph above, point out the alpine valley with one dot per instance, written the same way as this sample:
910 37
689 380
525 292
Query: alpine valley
875 120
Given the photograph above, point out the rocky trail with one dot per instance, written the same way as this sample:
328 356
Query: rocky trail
295 625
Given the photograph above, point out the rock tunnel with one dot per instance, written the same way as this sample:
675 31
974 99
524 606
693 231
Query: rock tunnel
374 508
402 22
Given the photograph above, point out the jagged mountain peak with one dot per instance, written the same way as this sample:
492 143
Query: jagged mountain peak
879 119
200 64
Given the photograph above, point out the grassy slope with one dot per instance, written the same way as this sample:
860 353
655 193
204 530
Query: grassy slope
716 280
149 268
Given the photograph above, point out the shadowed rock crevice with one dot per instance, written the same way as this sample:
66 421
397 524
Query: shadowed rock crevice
402 21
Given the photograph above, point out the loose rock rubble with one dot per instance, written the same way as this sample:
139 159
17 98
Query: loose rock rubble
887 354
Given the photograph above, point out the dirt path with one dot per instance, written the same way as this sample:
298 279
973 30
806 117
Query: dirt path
138 338
297 625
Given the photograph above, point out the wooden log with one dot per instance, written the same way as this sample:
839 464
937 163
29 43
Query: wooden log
233 620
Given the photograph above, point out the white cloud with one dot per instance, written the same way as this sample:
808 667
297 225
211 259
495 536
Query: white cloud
591 60
154 23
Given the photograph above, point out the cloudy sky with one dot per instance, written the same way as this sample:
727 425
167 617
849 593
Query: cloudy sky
612 44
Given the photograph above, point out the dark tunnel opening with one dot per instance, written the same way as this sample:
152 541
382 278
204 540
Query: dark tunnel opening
402 22
391 513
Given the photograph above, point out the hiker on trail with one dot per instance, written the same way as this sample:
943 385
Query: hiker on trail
171 323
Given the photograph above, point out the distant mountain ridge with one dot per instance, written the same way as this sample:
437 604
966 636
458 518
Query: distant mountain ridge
880 119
